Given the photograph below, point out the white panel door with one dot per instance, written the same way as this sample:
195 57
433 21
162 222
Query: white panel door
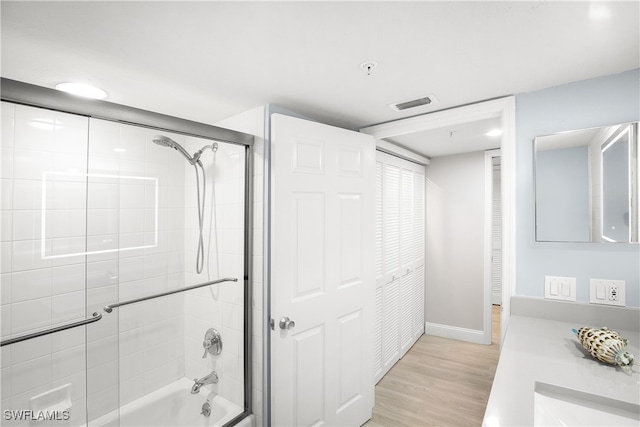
323 274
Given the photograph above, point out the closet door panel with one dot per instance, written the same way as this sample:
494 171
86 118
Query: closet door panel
418 302
390 329
391 198
406 312
379 238
406 223
377 336
418 217
379 221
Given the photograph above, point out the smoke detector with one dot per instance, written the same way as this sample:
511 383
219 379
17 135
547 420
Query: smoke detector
413 103
368 66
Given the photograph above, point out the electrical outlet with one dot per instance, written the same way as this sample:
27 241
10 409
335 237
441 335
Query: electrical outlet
609 292
562 288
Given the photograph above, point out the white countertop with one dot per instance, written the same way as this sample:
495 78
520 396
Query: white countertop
547 351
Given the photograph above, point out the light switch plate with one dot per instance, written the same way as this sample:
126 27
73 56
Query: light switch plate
609 292
561 288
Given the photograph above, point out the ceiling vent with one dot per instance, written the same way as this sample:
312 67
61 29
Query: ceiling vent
405 105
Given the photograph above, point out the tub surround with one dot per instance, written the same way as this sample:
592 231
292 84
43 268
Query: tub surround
540 347
172 405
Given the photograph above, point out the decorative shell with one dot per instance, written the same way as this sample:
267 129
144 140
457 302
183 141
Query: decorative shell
607 346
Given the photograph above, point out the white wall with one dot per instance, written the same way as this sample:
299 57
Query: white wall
454 267
590 103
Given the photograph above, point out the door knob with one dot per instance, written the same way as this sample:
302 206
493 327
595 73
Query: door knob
286 323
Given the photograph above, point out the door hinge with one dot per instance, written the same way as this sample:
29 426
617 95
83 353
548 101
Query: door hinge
273 324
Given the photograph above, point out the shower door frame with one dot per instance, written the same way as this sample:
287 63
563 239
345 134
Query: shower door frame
37 96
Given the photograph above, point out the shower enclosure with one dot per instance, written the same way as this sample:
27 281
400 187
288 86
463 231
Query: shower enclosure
125 269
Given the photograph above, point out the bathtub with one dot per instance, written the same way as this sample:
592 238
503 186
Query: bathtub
172 405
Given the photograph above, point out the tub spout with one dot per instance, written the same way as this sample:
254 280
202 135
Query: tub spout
212 378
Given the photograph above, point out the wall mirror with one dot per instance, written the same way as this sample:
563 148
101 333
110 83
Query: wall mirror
586 185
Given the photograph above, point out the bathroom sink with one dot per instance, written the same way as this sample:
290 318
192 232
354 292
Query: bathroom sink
559 406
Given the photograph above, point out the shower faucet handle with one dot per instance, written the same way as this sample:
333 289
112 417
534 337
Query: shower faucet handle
212 343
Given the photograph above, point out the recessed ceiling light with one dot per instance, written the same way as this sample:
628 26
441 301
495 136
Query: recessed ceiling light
599 11
494 132
81 89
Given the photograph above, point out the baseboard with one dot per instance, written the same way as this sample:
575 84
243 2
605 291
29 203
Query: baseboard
454 332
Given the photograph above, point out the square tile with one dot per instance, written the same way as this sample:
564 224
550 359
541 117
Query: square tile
68 307
30 284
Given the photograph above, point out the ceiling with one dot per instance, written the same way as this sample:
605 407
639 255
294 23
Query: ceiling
209 60
463 138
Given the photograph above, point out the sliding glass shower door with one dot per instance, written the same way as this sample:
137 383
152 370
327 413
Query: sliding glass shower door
95 213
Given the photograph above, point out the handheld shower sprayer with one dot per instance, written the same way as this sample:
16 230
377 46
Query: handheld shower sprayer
195 161
165 141
168 142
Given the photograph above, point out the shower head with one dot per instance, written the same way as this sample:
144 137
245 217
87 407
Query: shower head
164 141
168 142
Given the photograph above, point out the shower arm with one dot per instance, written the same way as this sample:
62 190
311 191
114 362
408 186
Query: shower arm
109 308
196 156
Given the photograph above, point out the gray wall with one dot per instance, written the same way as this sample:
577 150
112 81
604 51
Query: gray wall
589 103
454 264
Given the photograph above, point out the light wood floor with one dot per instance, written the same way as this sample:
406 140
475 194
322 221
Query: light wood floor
439 382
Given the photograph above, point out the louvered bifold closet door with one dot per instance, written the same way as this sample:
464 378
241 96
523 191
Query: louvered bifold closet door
377 332
407 259
399 259
496 238
391 267
418 306
391 200
418 253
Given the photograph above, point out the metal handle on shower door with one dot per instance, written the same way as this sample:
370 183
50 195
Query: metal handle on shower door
286 323
94 318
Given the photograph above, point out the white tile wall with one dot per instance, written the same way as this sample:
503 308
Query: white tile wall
103 242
